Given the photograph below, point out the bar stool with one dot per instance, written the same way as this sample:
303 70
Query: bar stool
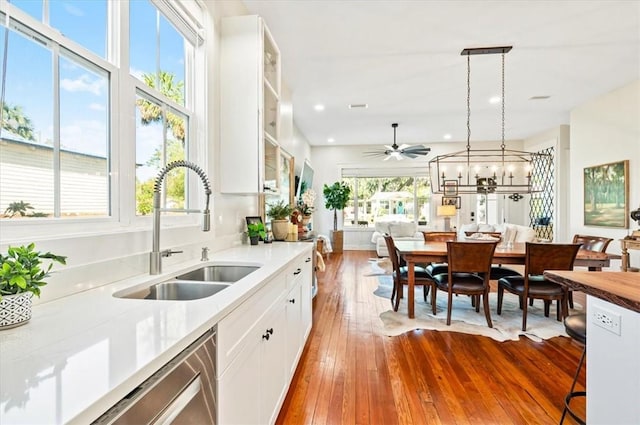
576 326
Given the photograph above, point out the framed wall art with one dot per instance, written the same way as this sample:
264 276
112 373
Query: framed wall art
606 195
452 200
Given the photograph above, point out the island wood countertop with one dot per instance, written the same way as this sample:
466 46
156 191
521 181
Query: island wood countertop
619 288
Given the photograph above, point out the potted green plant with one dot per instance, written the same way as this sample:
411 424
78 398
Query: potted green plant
279 212
22 273
255 231
336 197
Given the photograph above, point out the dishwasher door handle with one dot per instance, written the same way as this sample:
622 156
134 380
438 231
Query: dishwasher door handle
180 402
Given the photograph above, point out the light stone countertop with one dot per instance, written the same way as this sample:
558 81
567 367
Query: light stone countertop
81 354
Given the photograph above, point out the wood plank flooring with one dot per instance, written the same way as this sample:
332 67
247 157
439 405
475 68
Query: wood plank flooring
351 374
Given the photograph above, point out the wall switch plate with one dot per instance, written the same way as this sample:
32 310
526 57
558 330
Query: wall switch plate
606 319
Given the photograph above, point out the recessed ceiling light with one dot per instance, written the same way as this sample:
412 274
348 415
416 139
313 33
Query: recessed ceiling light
331 140
358 105
494 100
447 136
319 107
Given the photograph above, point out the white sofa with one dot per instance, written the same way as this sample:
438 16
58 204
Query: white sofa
396 227
510 232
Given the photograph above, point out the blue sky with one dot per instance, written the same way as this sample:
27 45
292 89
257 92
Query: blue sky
83 90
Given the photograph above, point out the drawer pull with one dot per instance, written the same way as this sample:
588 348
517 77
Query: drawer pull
292 300
297 272
307 260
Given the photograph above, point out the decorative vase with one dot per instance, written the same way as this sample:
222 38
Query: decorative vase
280 229
306 219
15 310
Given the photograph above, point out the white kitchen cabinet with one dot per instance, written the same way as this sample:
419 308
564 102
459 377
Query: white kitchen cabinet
252 389
249 107
306 313
259 346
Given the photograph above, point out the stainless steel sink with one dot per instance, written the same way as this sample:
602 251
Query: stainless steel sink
218 273
176 290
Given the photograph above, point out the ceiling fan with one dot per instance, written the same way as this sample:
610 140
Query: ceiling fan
400 152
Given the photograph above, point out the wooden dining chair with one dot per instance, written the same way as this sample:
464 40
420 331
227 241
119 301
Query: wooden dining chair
590 243
437 268
401 275
538 258
469 269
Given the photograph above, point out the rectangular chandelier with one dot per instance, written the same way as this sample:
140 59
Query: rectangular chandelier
489 171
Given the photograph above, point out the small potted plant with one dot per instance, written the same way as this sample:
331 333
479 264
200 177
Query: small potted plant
255 232
279 213
22 273
336 198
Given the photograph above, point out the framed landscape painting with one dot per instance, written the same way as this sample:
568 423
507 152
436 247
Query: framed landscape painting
606 195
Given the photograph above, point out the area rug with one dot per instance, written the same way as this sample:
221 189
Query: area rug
380 266
507 326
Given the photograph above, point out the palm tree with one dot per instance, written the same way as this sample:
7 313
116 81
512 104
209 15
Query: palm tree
16 122
151 112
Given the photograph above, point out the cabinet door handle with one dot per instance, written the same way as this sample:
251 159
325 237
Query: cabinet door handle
270 331
265 336
292 300
298 271
307 260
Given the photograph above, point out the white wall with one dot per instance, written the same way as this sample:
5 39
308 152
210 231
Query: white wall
557 138
604 130
613 369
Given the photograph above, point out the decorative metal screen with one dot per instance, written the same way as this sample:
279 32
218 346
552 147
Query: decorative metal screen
541 204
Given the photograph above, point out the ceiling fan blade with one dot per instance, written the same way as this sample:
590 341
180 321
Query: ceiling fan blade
409 154
389 148
403 147
418 150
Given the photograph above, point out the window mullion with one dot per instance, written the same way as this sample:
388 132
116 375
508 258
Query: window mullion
55 49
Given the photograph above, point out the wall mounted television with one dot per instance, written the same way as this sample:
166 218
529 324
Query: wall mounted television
305 180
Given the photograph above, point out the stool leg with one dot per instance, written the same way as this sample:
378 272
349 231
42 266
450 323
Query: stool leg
573 394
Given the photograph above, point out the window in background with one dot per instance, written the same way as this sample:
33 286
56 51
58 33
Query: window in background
387 197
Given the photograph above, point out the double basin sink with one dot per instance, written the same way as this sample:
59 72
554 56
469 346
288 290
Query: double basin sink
195 284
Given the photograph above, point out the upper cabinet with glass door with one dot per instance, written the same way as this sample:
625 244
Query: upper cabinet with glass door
250 107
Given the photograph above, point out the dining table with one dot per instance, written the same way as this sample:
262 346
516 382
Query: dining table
419 252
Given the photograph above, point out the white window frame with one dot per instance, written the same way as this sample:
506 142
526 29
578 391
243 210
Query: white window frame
122 131
416 172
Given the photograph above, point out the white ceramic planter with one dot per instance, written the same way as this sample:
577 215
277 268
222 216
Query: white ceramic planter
15 310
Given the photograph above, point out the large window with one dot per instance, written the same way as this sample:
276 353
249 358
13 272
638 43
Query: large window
405 197
71 83
158 58
54 150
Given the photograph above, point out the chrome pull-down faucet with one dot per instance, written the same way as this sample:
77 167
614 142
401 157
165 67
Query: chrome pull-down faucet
155 266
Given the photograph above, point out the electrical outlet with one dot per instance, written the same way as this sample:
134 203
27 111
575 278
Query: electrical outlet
606 319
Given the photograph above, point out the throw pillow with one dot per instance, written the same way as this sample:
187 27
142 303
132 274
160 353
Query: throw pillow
485 228
471 227
525 234
402 229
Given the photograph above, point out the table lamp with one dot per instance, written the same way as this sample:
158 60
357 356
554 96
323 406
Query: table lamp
446 211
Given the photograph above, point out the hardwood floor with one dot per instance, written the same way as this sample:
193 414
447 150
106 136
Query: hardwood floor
349 374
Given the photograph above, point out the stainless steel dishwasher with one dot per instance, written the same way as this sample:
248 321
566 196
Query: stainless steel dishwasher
182 392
